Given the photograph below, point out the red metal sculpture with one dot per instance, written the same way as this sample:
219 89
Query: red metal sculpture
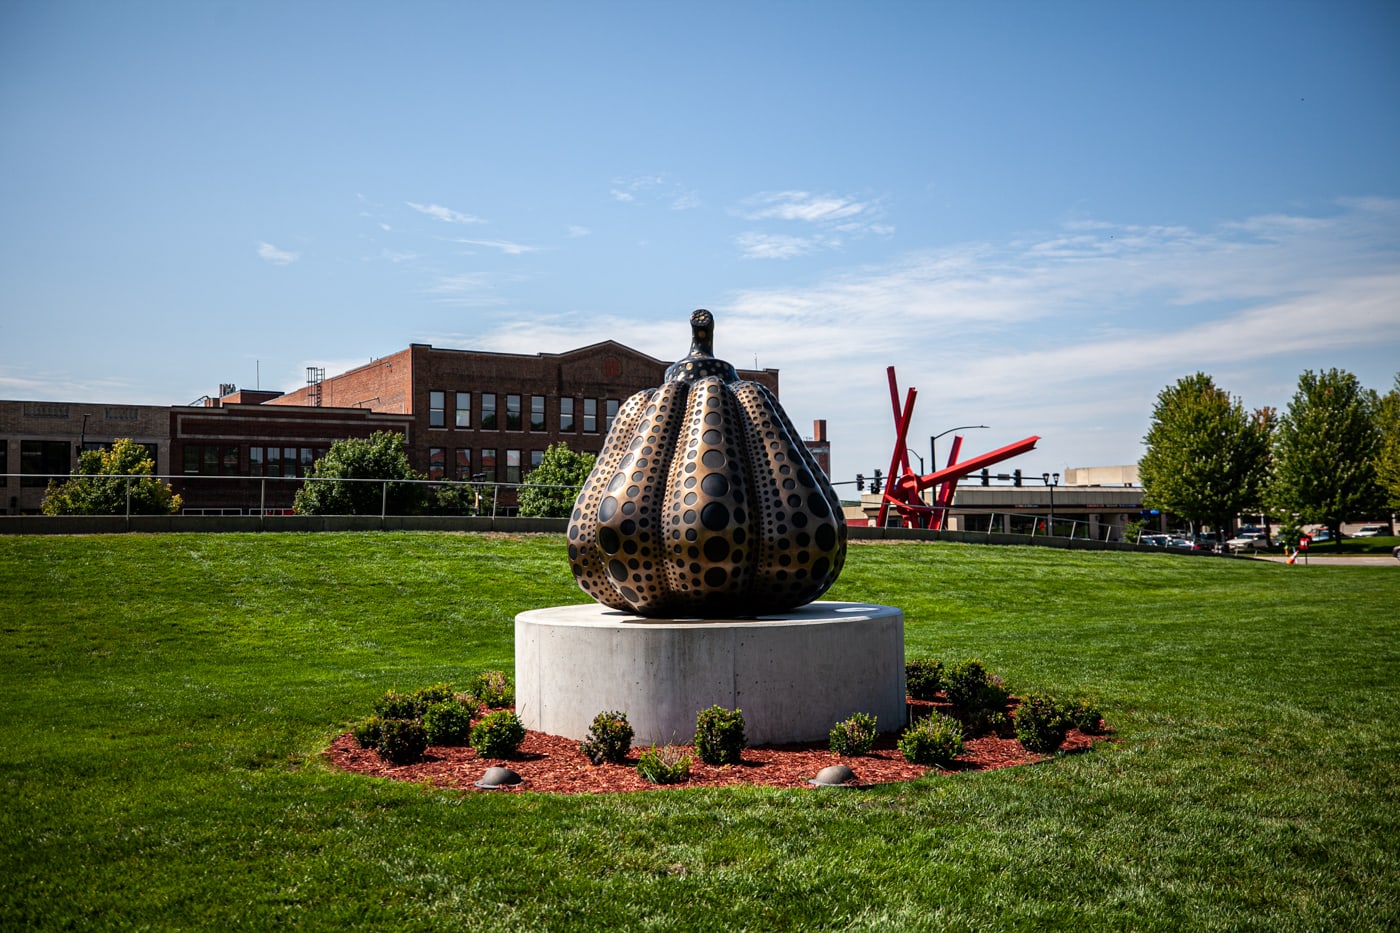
904 490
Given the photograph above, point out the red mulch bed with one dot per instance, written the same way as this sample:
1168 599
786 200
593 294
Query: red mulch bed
551 764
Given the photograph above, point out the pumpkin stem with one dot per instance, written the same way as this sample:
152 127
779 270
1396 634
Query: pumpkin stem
702 333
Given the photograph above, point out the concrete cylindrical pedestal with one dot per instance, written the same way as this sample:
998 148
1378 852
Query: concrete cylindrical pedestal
794 675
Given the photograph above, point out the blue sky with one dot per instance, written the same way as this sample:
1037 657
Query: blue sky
1040 213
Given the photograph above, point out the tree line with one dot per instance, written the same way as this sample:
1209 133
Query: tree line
1333 456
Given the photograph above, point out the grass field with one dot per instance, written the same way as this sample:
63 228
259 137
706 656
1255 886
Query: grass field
166 699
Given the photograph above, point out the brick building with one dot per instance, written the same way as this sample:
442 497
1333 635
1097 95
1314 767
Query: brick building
39 439
240 457
464 414
493 415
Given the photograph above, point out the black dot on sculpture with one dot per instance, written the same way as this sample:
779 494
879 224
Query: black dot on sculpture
608 509
716 549
715 516
608 540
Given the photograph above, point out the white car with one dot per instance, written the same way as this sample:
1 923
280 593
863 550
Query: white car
1369 531
1247 539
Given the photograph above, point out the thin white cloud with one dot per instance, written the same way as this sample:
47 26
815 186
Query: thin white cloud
278 257
774 246
801 205
474 289
504 246
648 189
575 231
445 214
834 217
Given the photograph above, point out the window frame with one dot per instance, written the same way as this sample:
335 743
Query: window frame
462 414
437 408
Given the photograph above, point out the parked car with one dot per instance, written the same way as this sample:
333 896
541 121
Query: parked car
1322 534
1247 539
1369 531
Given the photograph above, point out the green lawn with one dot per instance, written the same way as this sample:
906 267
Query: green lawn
167 697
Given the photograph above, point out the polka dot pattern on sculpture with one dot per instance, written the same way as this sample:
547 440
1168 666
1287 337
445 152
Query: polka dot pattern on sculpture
705 501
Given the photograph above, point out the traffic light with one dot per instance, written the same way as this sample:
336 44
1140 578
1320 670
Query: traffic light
1016 478
875 483
860 482
986 477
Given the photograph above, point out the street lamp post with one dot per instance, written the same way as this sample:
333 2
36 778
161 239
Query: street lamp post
1051 480
932 441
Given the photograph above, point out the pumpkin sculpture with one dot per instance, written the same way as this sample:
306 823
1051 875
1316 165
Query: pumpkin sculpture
705 501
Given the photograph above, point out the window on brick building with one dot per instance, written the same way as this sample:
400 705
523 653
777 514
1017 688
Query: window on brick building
4 462
488 463
566 414
512 466
488 411
537 413
463 411
437 409
536 459
40 459
590 416
218 460
512 413
611 414
437 463
278 461
464 463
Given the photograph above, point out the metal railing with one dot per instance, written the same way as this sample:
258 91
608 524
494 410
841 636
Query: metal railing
486 496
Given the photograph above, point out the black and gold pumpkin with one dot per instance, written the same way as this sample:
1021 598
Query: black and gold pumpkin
705 501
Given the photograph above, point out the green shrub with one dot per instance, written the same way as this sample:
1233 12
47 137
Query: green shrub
1084 716
667 765
367 731
977 696
498 734
935 740
437 693
854 736
402 740
970 687
448 722
492 689
923 678
609 738
1040 723
395 705
719 735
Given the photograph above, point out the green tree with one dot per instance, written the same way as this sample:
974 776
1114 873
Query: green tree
1388 458
464 499
103 481
1325 453
1207 458
380 456
552 487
